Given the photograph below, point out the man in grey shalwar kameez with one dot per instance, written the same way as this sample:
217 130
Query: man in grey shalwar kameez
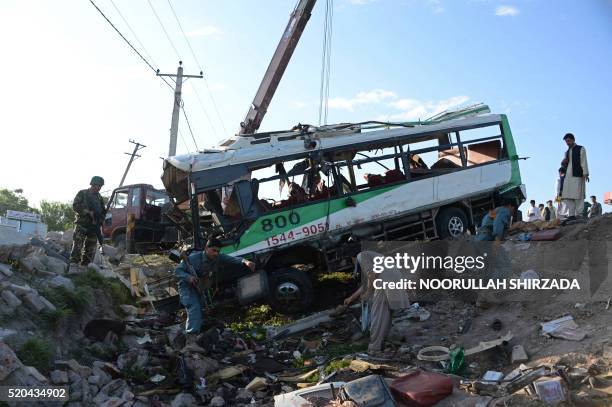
382 301
576 176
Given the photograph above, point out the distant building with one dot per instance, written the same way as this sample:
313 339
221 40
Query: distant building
24 222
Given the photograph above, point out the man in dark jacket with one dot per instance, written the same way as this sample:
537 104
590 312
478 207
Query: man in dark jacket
89 212
205 263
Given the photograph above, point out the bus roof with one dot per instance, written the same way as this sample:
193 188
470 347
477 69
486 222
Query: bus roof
264 149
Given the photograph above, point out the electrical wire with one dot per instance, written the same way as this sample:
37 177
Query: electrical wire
164 29
189 125
195 90
184 142
214 103
212 99
185 36
133 33
129 43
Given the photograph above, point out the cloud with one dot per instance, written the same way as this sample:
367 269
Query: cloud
374 96
413 109
298 104
503 11
409 109
436 6
361 2
204 31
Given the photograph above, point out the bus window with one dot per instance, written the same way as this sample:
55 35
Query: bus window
482 145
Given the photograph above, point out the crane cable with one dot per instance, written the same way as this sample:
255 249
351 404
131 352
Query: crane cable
326 61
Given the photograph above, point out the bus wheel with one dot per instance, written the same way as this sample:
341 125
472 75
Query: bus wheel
451 223
291 291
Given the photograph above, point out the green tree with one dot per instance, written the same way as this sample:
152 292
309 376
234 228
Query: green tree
57 215
13 201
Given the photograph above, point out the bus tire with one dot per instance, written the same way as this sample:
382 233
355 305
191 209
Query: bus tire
451 223
291 291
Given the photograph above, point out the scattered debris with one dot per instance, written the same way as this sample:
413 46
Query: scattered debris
550 390
563 328
519 354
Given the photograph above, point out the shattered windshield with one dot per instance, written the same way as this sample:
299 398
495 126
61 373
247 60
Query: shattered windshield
157 198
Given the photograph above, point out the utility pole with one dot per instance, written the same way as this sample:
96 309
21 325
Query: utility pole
177 104
133 155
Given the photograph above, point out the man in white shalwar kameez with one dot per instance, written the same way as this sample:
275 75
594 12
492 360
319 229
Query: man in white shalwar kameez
576 176
382 301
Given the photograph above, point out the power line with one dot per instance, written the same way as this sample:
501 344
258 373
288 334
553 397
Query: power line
215 105
133 33
129 43
199 66
185 36
183 139
164 29
204 110
189 125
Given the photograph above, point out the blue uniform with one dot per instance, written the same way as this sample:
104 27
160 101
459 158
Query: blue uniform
189 294
491 228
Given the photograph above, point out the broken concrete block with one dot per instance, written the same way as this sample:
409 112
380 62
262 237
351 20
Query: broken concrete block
112 252
112 402
94 379
11 299
20 290
61 281
202 366
217 401
257 383
183 400
54 265
32 264
114 388
10 361
33 301
48 305
32 371
244 396
129 309
58 377
519 354
6 333
5 269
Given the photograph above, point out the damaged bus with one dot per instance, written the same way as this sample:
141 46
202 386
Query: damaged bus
366 181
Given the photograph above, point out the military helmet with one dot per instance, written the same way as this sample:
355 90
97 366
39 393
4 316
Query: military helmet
97 181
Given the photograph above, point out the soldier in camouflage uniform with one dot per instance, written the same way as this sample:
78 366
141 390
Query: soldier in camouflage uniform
89 212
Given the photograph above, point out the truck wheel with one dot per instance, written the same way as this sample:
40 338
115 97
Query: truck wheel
291 291
119 241
451 223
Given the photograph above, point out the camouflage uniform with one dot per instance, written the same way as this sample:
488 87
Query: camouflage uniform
85 240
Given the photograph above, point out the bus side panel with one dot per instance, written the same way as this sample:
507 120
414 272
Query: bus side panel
309 222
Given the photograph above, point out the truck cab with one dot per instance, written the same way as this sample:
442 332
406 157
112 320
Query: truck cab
147 205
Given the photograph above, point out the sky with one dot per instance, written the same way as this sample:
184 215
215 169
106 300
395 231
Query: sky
74 94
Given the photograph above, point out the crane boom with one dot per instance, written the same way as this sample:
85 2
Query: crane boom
274 73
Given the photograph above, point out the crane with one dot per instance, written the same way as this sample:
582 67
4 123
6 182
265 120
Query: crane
278 64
